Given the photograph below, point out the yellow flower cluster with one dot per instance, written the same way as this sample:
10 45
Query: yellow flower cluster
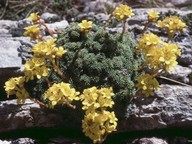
48 49
94 98
16 86
158 54
98 122
33 32
35 67
171 24
164 57
147 84
34 17
122 12
148 41
85 25
61 93
152 15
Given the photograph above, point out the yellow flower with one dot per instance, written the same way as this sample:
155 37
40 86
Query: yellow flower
61 93
152 15
122 12
33 32
34 17
171 24
94 98
16 86
85 25
148 41
97 124
48 49
147 84
35 67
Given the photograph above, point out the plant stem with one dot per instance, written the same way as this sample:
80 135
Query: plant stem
49 31
124 28
107 22
146 26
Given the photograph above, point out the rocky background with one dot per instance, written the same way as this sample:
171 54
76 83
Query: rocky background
165 118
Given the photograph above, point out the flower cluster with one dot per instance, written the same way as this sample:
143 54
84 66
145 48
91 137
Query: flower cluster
35 67
34 17
122 12
85 26
147 84
33 32
98 122
158 54
171 24
152 15
61 93
148 41
48 49
16 86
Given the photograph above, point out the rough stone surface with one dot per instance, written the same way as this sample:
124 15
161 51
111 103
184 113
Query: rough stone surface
60 26
181 3
9 54
152 140
172 106
49 17
18 141
181 74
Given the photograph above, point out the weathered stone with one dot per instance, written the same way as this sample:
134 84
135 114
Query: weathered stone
172 106
181 3
180 74
49 17
18 29
29 115
152 140
18 141
60 26
7 24
9 54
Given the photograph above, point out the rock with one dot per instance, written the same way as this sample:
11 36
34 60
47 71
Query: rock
186 56
15 116
152 140
60 26
180 74
9 54
7 24
99 6
171 107
18 141
181 3
49 17
18 29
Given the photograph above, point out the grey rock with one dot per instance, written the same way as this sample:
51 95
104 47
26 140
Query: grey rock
23 141
180 74
29 115
186 56
172 106
99 6
4 33
152 140
7 24
9 54
181 3
49 17
18 141
18 29
60 26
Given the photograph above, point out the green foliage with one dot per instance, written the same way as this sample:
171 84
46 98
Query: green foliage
101 59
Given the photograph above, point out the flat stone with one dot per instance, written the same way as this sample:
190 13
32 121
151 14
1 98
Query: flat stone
9 54
171 107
